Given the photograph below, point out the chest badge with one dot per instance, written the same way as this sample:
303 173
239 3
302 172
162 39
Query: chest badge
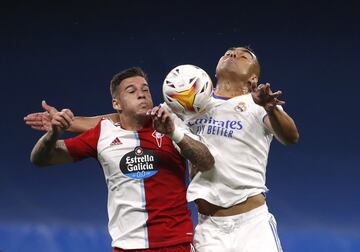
240 107
158 137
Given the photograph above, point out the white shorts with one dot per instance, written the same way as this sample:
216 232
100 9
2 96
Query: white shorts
253 231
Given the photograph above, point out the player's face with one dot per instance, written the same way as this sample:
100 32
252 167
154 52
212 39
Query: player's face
236 62
134 96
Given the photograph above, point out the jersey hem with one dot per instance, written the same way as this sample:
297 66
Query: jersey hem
222 204
155 245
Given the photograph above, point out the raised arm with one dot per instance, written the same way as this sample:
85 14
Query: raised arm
49 150
278 121
195 151
42 120
282 125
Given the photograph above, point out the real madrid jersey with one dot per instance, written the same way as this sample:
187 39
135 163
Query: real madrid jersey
145 176
234 131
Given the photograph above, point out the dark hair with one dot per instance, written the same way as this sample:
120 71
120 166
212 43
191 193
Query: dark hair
127 73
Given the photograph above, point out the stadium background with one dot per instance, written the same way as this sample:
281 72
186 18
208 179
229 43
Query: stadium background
67 54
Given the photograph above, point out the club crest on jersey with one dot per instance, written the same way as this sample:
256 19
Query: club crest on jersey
240 107
158 137
139 163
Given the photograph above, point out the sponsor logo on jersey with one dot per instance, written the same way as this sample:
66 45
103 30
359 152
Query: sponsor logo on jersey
212 126
116 141
139 163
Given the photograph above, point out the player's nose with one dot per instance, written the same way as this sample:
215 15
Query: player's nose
232 54
140 94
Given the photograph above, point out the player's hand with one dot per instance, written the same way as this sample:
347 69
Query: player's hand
51 119
162 120
263 96
60 120
39 121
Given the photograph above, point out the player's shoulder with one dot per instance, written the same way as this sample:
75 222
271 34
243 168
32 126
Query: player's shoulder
106 123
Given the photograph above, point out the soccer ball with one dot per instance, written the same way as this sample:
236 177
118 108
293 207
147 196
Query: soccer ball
187 89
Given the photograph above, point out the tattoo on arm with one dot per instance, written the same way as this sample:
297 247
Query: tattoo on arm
197 153
49 151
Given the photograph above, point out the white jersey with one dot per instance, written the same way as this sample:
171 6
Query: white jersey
236 135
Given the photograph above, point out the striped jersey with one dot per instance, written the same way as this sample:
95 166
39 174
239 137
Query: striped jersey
145 176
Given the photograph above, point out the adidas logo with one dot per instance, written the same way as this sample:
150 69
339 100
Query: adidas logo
116 141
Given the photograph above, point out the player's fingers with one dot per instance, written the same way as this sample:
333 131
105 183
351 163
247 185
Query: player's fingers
276 94
154 111
279 102
260 86
34 123
36 127
267 88
40 128
156 122
69 113
66 119
60 120
262 89
48 108
150 111
160 112
165 118
32 117
57 123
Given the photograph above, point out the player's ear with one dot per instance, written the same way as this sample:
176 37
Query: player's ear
252 81
116 104
253 78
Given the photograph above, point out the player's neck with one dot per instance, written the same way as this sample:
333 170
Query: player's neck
227 88
132 122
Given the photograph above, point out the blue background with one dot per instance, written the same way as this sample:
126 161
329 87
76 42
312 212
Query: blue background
67 53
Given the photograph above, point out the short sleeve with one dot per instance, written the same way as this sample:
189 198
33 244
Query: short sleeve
84 145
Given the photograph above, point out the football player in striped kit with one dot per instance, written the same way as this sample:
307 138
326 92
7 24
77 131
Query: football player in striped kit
142 156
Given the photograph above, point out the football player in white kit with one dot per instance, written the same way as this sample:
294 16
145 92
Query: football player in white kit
144 170
238 127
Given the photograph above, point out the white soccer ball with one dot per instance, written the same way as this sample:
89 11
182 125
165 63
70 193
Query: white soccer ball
187 89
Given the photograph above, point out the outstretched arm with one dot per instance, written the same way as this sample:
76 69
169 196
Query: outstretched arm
82 124
195 151
49 150
278 121
41 121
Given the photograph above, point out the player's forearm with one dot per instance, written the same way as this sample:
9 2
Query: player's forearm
81 124
50 151
283 126
197 153
42 151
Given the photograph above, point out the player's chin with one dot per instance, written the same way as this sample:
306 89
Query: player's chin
143 110
144 107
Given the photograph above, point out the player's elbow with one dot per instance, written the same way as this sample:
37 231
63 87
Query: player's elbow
292 138
207 163
37 161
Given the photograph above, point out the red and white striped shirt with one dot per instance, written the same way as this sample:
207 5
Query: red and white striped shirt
145 176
